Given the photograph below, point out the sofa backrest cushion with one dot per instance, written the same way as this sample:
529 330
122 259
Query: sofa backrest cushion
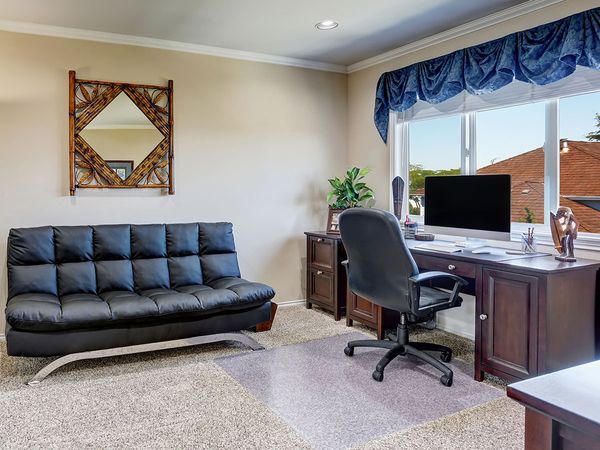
100 258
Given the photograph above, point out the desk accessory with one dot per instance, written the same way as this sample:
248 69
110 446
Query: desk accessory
424 237
528 244
564 226
410 228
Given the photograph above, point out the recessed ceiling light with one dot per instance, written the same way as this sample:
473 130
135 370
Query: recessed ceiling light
327 25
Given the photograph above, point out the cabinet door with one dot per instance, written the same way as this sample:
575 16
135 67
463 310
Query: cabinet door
509 323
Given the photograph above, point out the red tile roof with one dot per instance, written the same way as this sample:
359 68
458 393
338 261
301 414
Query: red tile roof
579 176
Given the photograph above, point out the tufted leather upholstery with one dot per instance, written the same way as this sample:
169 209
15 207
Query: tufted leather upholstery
66 278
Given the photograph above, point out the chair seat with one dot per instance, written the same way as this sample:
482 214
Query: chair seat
44 312
432 296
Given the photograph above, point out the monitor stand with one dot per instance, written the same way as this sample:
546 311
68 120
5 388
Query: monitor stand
472 244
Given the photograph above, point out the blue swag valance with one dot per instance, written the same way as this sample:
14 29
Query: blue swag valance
540 56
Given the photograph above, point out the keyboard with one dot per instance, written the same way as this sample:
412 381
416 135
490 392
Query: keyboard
444 248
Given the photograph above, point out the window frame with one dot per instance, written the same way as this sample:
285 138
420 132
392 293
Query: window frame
399 144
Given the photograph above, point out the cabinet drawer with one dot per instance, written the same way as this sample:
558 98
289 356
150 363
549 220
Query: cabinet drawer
321 253
461 268
321 286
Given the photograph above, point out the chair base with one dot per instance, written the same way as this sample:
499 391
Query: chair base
142 348
402 347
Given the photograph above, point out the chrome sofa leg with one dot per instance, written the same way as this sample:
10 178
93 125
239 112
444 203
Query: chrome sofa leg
142 348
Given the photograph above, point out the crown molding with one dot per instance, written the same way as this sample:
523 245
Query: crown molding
163 44
469 27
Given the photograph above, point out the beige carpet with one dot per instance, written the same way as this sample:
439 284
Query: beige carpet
181 399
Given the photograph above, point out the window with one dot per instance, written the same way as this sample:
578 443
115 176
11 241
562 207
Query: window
580 159
551 149
434 150
511 141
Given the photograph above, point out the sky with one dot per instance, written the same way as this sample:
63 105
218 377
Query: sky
501 133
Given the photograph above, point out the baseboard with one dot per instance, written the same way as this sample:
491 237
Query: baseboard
291 302
2 337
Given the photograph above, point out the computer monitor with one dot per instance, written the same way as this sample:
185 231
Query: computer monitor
475 206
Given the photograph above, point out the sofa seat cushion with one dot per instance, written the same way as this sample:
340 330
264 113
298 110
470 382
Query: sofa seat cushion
46 312
127 305
42 312
247 291
216 299
33 311
169 301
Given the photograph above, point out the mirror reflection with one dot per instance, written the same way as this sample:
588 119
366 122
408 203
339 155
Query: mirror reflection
122 135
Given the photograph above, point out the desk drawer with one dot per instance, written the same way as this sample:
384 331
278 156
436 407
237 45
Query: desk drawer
321 286
321 253
461 268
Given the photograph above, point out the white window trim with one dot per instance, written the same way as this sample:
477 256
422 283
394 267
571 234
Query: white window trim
399 147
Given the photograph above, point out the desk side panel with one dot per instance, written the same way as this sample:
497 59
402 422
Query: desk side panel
568 336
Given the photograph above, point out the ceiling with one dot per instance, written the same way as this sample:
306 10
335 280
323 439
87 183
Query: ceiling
283 28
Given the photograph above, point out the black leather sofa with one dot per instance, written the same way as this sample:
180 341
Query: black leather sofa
84 288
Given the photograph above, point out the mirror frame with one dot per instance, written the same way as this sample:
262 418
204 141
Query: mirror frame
87 169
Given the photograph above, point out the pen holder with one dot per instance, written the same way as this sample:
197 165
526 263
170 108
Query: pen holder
410 229
528 244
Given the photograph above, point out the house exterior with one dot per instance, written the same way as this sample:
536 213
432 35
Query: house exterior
579 183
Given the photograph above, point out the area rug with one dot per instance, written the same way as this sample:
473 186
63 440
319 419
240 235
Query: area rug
332 402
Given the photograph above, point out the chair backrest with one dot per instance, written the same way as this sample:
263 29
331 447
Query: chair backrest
379 262
94 259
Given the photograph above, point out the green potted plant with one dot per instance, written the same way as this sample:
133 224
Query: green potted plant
351 192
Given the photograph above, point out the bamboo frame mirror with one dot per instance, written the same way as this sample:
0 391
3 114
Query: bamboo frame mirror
120 135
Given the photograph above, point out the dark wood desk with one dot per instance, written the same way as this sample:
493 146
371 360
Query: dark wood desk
533 315
563 408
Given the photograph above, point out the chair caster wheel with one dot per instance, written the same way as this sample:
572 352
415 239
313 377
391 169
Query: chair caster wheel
446 380
446 357
349 351
378 376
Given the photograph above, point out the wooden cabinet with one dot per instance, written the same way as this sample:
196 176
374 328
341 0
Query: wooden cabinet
532 322
325 275
326 285
509 322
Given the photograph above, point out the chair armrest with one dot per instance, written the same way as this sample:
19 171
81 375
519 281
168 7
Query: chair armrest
415 291
426 276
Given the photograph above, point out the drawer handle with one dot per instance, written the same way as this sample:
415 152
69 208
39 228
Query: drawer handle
483 316
451 267
319 272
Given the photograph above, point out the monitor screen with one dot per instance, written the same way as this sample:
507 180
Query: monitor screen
469 205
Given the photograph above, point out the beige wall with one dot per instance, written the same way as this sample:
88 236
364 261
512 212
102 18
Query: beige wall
254 145
365 147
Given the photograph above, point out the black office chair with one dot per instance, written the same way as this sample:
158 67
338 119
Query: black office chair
381 269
